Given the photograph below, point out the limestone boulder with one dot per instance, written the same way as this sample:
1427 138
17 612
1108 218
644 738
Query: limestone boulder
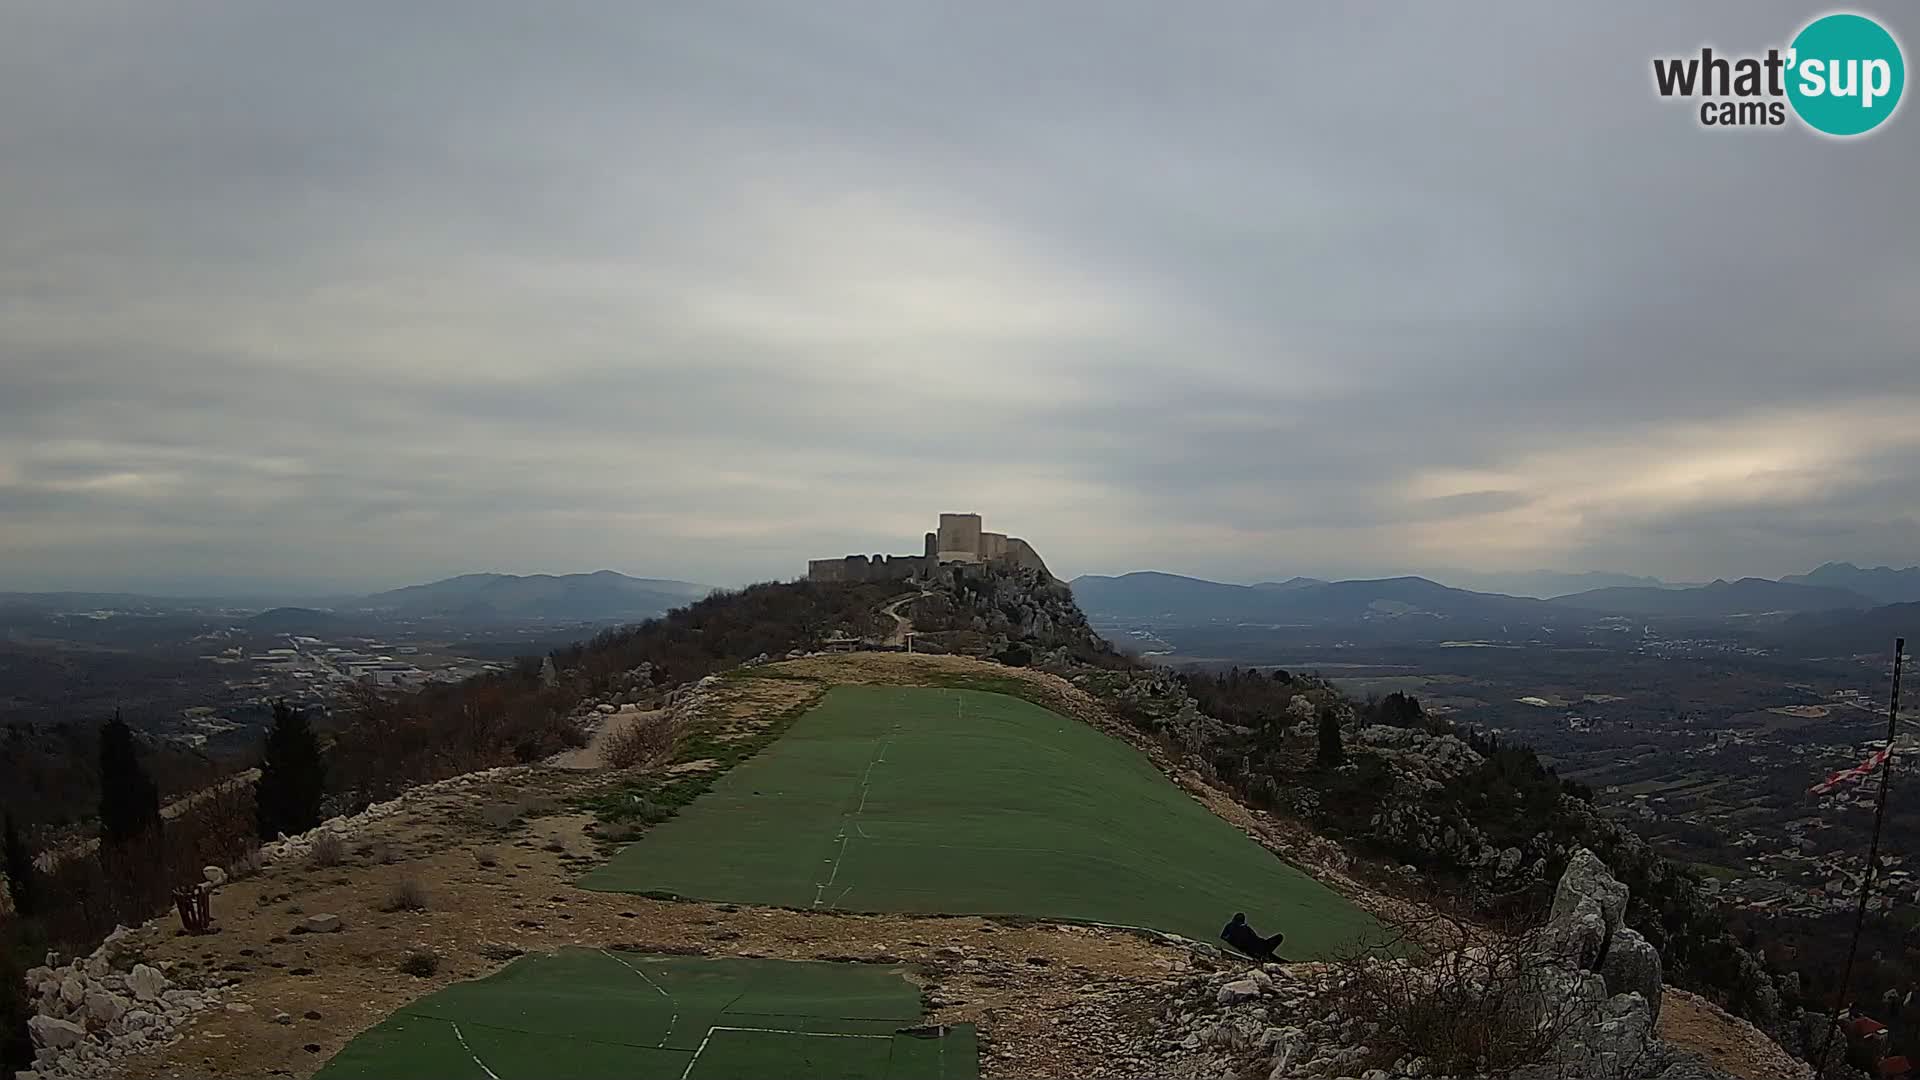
1632 966
1578 936
55 1034
146 982
1237 991
1587 878
105 1007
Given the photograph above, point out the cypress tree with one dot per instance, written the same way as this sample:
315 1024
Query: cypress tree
292 776
16 1008
129 800
1332 753
19 861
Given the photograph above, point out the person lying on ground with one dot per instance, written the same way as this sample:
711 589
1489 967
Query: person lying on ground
1242 937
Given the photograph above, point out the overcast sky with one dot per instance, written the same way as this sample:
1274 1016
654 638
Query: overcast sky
354 294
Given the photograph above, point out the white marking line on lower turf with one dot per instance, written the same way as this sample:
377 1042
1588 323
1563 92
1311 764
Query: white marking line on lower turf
663 993
471 1054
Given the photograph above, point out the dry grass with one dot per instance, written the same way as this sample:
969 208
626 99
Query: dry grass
1479 1006
644 741
407 894
246 866
328 850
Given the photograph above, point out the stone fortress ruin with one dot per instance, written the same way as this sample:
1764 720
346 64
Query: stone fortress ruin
959 540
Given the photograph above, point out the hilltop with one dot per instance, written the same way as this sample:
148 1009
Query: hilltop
490 853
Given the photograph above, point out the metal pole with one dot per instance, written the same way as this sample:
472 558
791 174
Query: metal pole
1873 852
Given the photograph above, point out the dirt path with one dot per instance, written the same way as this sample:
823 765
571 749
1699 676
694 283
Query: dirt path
1693 1023
902 626
593 755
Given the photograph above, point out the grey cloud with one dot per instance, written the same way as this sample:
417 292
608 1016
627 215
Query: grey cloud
359 293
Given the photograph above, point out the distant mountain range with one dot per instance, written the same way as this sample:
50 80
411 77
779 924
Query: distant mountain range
1168 599
1149 596
1719 599
1542 584
600 596
1881 584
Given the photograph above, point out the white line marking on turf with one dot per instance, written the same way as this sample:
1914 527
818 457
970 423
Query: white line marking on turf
471 1054
675 1019
866 788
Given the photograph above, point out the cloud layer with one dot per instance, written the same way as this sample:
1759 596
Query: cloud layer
354 294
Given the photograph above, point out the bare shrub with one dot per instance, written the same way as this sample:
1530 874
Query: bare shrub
407 894
1465 998
420 962
247 865
328 850
645 741
621 833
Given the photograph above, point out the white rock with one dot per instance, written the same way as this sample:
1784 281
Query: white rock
322 924
105 1007
73 991
215 876
51 1033
147 982
1237 991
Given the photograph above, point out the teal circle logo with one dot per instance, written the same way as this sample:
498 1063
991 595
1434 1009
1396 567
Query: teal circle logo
1845 74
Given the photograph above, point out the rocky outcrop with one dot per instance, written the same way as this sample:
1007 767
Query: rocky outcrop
1632 966
1586 989
344 826
93 1011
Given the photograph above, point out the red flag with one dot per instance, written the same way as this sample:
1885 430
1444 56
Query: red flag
1854 773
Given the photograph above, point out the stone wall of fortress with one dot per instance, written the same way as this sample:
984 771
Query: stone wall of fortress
861 568
959 540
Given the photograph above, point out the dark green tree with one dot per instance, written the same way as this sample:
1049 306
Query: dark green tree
1332 754
129 800
16 1008
19 861
292 777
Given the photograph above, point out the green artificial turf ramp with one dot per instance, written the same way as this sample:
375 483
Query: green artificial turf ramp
915 799
583 1014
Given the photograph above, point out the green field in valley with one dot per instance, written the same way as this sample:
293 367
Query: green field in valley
586 1012
892 799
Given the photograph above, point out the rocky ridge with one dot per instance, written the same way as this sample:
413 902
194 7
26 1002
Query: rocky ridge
1586 987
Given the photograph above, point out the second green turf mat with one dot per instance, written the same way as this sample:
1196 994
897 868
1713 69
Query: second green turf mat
584 1014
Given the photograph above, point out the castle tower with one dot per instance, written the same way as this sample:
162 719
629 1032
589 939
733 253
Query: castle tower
959 538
